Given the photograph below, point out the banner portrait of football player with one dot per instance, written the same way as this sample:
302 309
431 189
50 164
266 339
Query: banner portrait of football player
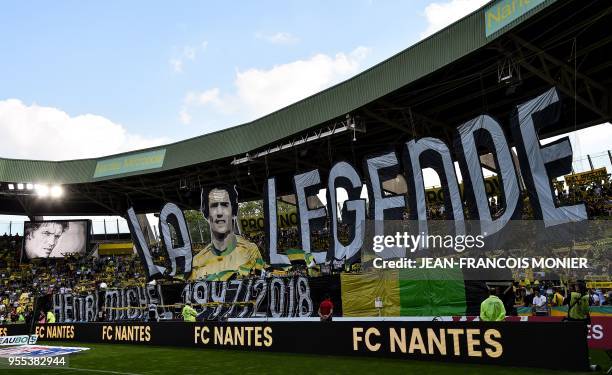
229 253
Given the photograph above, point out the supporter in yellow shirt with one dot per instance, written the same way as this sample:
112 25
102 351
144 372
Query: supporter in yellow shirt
557 299
189 313
50 317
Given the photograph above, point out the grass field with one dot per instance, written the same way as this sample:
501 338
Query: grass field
139 359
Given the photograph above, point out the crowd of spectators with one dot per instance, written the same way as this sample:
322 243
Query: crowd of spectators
21 282
540 297
597 196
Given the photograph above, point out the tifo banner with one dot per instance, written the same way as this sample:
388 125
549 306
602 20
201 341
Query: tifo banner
434 196
342 230
469 342
275 297
353 295
404 294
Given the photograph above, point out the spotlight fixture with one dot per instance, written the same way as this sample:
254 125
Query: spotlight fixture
509 74
56 191
42 191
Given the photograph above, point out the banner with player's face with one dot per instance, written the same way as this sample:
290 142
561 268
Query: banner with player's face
55 239
229 253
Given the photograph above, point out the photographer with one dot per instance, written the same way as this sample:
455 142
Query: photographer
509 299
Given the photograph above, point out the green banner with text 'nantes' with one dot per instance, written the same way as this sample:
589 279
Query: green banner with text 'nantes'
130 163
501 13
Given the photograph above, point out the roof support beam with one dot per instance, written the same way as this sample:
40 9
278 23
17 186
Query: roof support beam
99 202
584 89
386 121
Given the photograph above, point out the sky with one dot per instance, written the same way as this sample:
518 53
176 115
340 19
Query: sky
106 77
100 78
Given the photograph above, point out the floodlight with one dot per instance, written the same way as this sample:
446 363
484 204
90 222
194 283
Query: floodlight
56 191
42 190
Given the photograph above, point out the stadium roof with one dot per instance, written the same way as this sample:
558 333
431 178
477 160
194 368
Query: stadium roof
427 89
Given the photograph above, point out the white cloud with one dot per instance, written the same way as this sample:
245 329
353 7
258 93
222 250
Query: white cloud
184 116
47 133
177 65
202 98
261 91
187 53
280 37
198 99
442 14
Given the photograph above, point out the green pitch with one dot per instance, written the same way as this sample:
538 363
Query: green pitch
140 359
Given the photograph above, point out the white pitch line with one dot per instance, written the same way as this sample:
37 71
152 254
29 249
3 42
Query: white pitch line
103 371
